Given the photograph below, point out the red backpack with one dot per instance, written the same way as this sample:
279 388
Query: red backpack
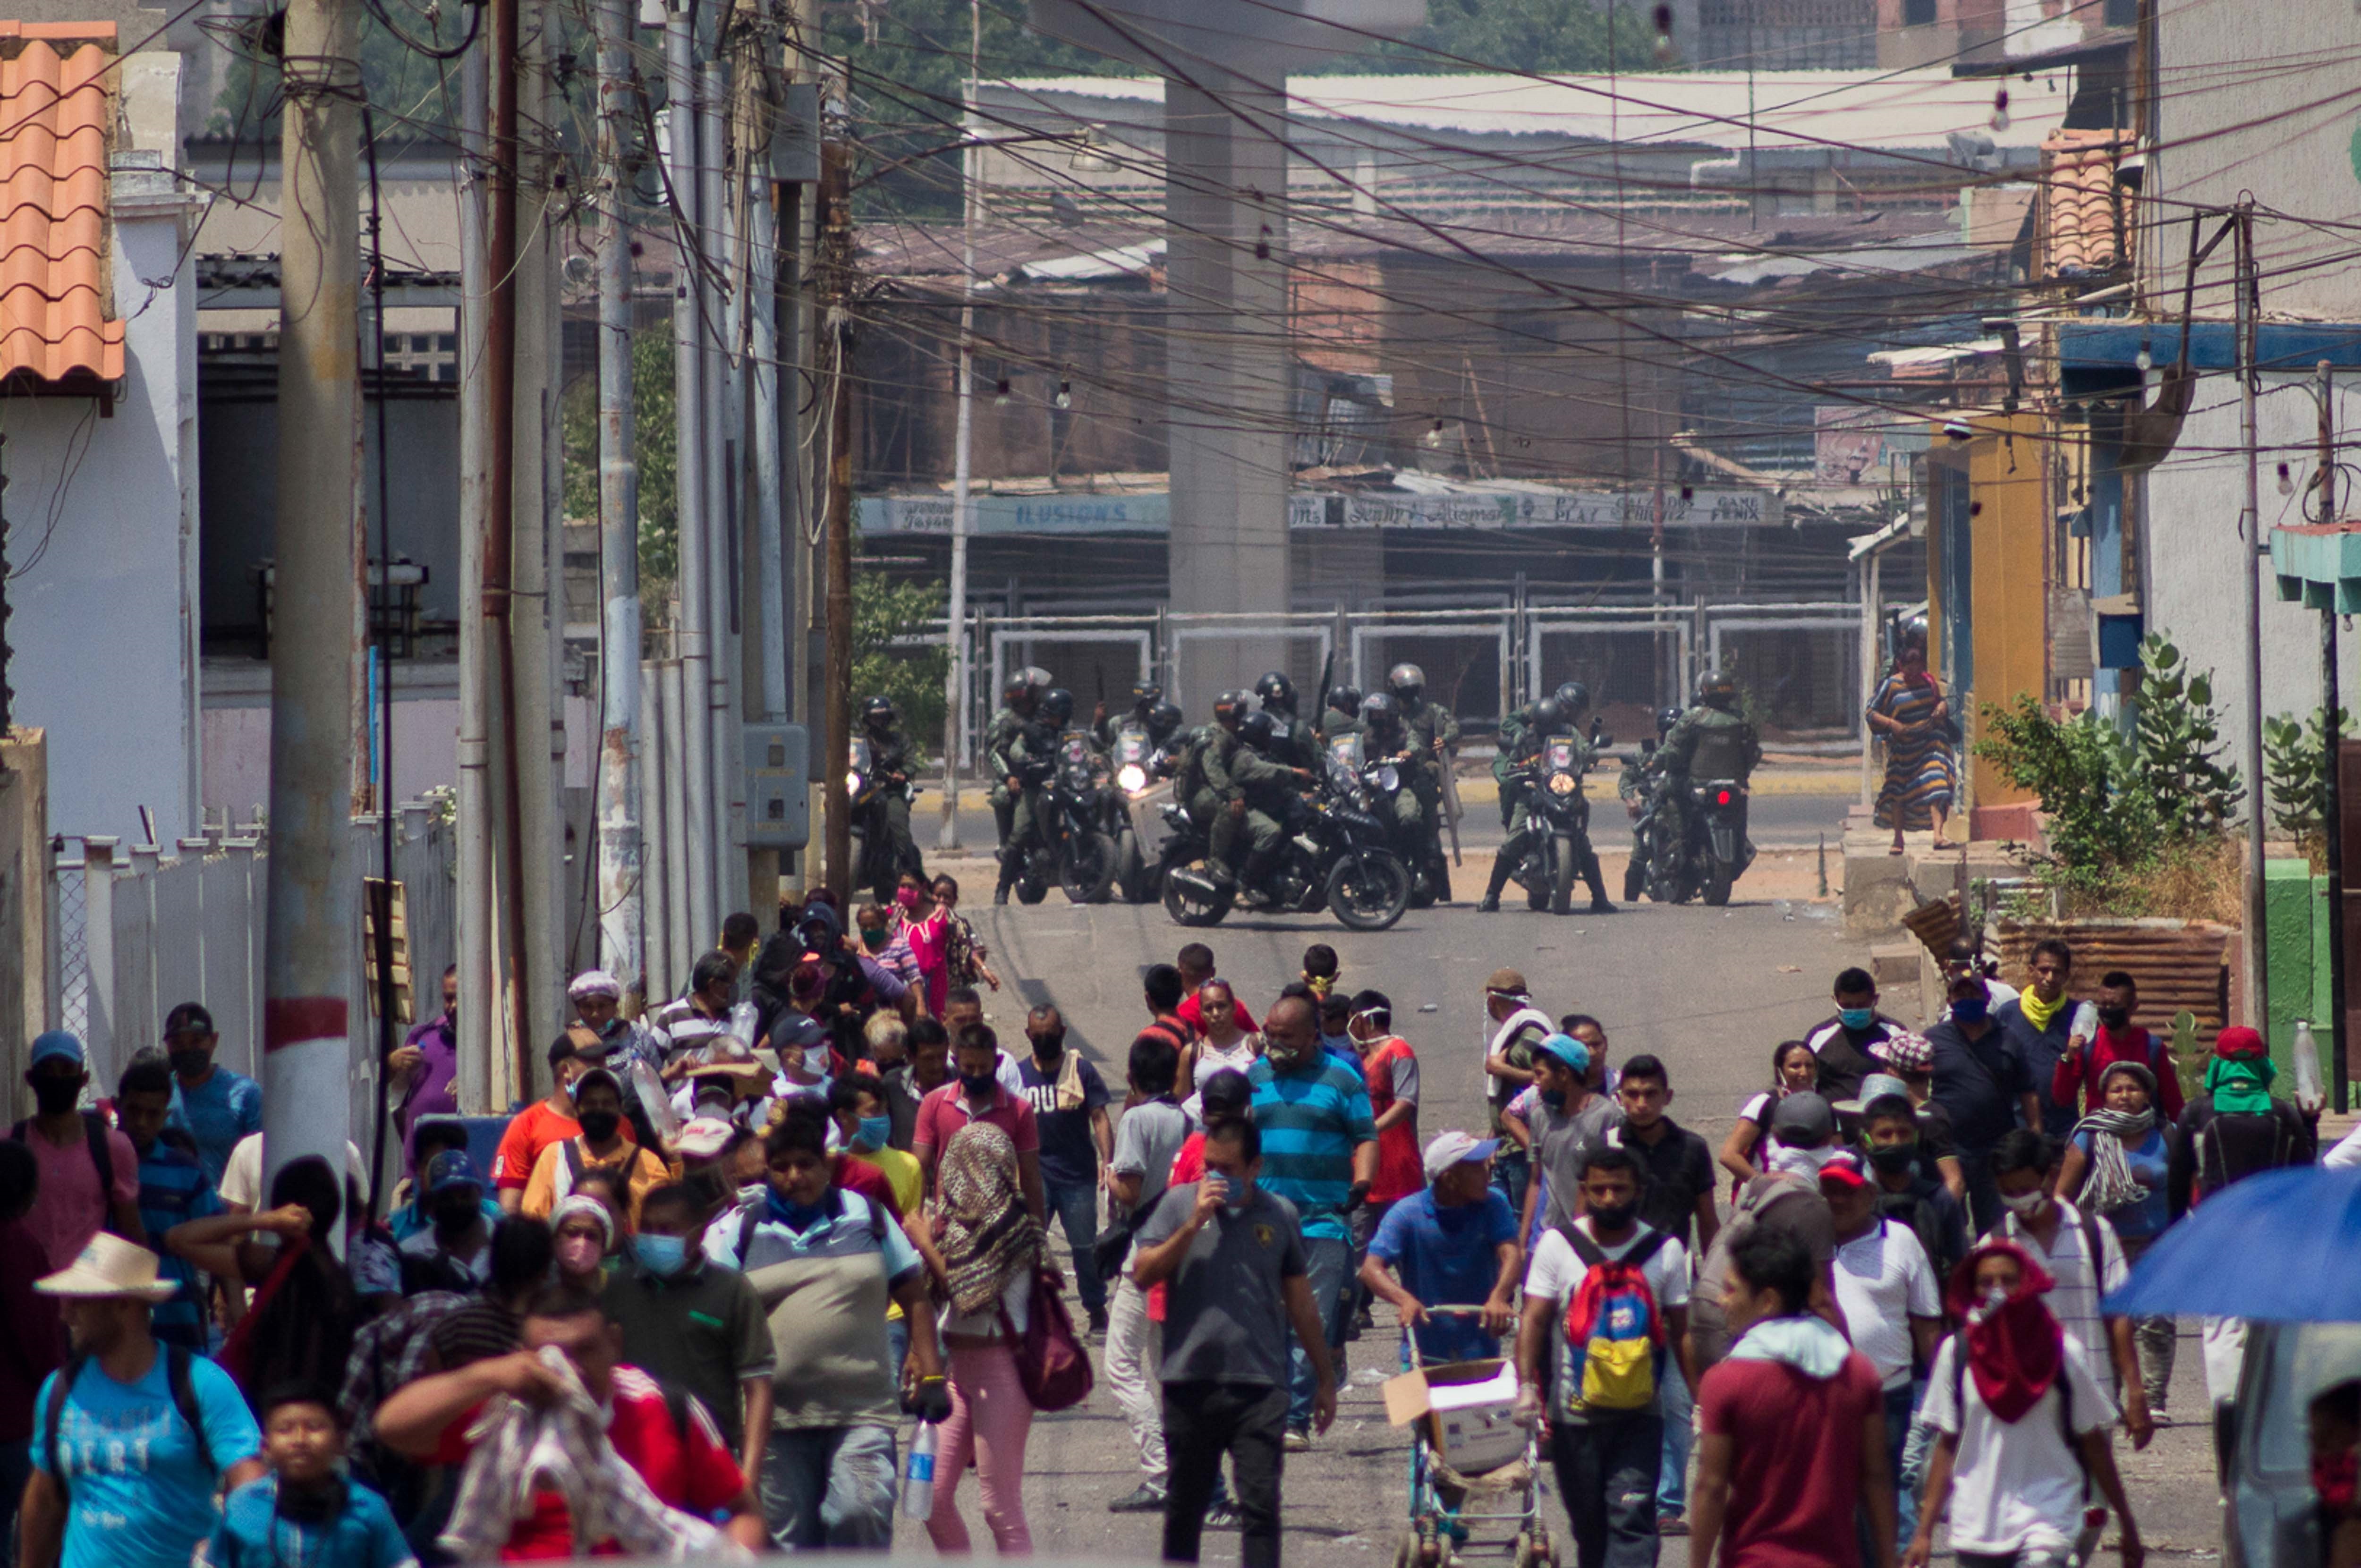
1613 1324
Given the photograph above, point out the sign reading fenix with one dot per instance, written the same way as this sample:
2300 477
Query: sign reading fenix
1151 511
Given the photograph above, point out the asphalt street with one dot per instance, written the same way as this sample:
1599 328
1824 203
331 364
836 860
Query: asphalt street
1707 991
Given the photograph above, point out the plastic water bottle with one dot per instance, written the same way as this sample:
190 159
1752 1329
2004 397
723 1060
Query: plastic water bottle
918 1474
2309 1094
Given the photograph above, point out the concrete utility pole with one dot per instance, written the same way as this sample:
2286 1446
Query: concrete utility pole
835 328
482 1083
619 855
2250 536
962 449
725 449
693 629
308 1067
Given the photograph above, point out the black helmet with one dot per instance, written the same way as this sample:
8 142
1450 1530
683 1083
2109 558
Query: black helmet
1715 688
1572 697
1379 708
1345 699
1037 677
1548 714
1146 695
877 711
1231 705
1276 691
1667 718
1256 730
1407 681
1162 720
1056 704
1016 691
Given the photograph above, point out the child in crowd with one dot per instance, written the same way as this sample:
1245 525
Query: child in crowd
305 1512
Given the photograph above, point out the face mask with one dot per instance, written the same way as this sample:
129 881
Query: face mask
190 1063
577 1255
1894 1159
1554 1098
977 1085
1972 1009
1613 1216
2115 1018
599 1125
907 897
455 1215
1237 1191
1856 1018
1339 1043
1048 1048
660 1254
56 1096
2023 1203
873 1132
871 940
753 1191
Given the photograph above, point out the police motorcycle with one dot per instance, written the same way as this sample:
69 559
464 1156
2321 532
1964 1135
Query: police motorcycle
1715 852
1557 815
1069 783
875 864
1379 781
1141 762
1334 852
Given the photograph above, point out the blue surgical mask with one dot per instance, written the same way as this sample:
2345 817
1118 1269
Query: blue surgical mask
1856 1018
660 1254
1972 1009
871 1136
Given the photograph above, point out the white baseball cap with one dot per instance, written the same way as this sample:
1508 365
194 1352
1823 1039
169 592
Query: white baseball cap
1447 1149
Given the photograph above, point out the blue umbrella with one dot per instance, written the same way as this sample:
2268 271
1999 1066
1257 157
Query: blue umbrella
2283 1247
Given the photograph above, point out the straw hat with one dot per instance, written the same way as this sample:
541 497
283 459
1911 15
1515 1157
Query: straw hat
109 1265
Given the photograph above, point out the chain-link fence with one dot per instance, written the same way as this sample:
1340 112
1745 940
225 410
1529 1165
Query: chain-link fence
71 954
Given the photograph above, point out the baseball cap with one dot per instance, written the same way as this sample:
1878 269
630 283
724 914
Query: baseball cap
1802 1120
188 1015
1225 1093
597 1078
798 1030
1508 982
589 1043
1447 1149
450 1169
56 1045
1568 1049
1843 1169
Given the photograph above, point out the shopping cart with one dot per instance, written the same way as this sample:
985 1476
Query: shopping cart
1467 1417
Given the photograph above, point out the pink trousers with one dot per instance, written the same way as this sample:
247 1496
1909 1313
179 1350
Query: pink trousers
990 1419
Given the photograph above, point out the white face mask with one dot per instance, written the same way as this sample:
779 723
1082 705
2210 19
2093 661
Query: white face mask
1803 1162
2026 1204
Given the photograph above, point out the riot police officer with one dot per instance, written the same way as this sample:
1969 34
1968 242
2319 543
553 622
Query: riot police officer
1019 701
1431 732
1163 723
1633 786
1291 737
1386 739
1711 741
1105 727
890 761
1572 701
1344 714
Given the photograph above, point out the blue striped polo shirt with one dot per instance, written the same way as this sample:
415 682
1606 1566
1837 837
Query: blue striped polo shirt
1310 1120
173 1187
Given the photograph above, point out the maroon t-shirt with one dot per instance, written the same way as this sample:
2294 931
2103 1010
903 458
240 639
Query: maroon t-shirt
1795 1469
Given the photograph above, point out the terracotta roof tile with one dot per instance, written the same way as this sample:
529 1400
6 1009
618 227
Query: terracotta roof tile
56 110
2085 230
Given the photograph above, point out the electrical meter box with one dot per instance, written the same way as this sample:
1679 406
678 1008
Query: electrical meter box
778 786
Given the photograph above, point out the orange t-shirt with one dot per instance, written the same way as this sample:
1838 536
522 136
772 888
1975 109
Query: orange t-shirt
531 1130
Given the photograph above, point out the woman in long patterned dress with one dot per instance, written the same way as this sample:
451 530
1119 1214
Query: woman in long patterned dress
1921 776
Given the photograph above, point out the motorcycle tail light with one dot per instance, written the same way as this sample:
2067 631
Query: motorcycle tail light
1721 798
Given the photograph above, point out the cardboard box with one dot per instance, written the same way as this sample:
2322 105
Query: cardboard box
1465 1405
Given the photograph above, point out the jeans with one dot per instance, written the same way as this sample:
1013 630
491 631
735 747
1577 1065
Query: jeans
1675 1401
830 1487
1607 1479
1329 1261
1985 1207
1076 1209
1900 1404
1511 1168
1363 1222
16 1469
1203 1421
1134 1365
2154 1339
897 1345
990 1420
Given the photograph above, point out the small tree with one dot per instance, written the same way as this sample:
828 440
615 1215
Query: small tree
2178 744
2295 769
883 609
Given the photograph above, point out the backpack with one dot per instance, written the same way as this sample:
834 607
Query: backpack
1612 1323
184 1401
2063 1382
102 1158
1763 1201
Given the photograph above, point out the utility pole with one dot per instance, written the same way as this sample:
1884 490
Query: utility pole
308 1067
2250 534
836 273
2331 738
962 450
619 853
693 629
724 453
481 1086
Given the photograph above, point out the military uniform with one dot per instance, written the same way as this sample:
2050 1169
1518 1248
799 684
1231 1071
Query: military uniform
1518 844
1262 784
889 753
1335 722
1292 744
1704 743
1030 743
1410 808
1104 732
1506 771
1007 726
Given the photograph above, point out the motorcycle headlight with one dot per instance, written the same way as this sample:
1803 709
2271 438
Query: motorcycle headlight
1561 784
1133 778
852 784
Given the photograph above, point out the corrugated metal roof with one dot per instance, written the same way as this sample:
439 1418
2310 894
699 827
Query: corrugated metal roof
56 111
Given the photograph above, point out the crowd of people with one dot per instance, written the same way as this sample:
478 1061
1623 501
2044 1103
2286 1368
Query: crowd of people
691 1298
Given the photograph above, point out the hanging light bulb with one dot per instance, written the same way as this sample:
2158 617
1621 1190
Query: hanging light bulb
1000 392
1434 436
2145 361
1065 397
2000 110
1262 244
2287 481
1665 52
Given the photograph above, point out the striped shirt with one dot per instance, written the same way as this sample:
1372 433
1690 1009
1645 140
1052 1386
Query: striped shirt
173 1187
1311 1119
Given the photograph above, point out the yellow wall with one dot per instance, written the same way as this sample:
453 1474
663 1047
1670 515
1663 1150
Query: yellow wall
2009 529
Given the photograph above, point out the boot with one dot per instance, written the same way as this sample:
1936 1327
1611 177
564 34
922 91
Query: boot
1596 883
1251 892
1009 856
1503 864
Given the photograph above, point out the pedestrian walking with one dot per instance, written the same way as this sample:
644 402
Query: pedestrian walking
1910 1060
132 1439
2119 1166
1851 1046
1907 1188
2084 1262
994 1255
455 1252
1982 1080
583 1234
1518 1028
543 1124
1451 1243
1570 1121
424 1071
694 1325
2022 1428
601 1145
1320 1145
305 1511
2118 1039
173 1187
700 1017
924 927
1676 1197
966 959
29 1321
1793 1440
1070 1107
215 1106
299 1326
1893 1307
1147 1140
1223 1041
1746 1153
979 1094
1195 964
1233 1258
1912 716
2047 1025
88 1172
1390 1071
1617 1290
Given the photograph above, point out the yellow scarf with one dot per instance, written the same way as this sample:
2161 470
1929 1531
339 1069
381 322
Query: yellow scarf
2038 1013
